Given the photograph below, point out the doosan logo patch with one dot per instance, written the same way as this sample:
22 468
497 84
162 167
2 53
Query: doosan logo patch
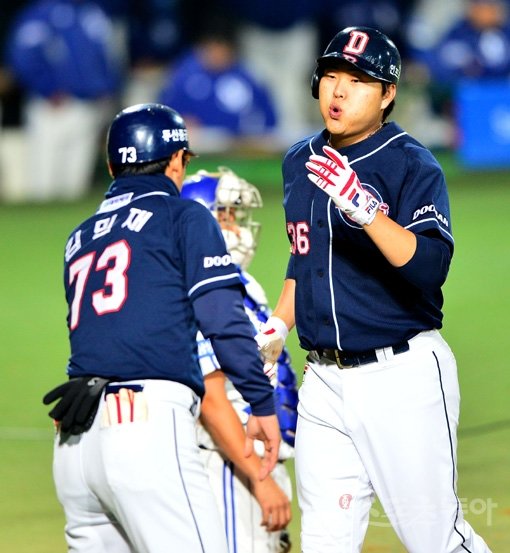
217 261
431 209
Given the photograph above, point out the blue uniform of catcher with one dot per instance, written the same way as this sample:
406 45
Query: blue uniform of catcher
142 276
255 514
367 215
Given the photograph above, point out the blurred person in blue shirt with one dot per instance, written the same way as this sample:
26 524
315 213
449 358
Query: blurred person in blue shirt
63 54
475 47
217 94
156 36
279 40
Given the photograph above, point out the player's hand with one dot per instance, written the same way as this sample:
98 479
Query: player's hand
270 339
267 430
274 504
334 175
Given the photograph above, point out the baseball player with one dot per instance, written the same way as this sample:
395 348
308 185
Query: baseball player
255 514
368 219
142 275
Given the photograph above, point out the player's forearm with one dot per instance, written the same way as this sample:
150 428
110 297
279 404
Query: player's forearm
284 309
222 422
422 260
428 268
225 428
396 243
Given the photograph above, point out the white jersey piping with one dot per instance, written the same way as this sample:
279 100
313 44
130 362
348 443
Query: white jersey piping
213 279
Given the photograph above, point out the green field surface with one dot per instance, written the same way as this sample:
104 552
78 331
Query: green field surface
34 349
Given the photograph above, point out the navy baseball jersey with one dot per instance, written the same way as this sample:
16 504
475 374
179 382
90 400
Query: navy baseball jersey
132 272
348 296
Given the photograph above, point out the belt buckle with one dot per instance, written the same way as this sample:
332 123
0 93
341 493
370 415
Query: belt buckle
339 361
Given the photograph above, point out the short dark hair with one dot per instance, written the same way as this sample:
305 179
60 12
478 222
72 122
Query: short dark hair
133 169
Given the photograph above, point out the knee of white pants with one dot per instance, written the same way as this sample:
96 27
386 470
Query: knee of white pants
334 490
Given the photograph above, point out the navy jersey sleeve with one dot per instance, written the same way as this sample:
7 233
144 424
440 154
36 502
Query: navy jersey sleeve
222 318
208 264
424 209
428 268
424 204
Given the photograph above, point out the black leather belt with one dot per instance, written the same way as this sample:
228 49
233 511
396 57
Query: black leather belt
349 359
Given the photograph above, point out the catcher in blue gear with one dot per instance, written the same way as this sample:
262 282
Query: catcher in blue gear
255 513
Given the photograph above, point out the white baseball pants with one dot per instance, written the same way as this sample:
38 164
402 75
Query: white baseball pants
137 484
387 428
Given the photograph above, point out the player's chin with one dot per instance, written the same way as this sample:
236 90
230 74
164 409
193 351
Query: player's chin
335 126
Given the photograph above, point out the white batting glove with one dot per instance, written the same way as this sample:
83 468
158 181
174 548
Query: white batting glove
334 175
270 339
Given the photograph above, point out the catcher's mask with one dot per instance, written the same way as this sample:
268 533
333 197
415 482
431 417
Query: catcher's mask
231 199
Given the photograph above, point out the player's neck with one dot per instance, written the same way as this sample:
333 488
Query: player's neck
338 142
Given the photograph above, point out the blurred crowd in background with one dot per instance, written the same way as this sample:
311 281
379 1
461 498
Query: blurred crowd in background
239 73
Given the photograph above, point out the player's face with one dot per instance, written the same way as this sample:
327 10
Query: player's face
240 241
227 219
351 104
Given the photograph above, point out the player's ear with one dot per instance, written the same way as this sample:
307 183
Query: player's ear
175 169
389 93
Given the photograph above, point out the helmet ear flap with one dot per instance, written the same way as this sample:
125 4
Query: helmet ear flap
314 84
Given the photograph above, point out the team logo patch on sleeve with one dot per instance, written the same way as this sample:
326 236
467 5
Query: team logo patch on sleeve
217 261
431 208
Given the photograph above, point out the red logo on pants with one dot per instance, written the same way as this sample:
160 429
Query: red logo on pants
345 501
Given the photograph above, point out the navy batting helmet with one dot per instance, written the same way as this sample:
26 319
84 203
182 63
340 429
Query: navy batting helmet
367 49
146 132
